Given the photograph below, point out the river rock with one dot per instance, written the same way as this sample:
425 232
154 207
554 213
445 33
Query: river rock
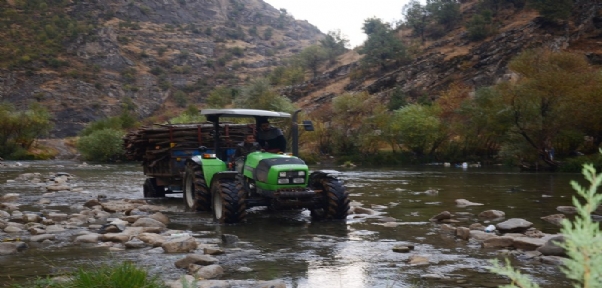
117 206
148 222
481 235
87 238
567 209
152 239
551 247
553 260
9 197
9 207
135 244
528 243
464 202
446 228
441 216
418 260
362 210
131 218
498 242
401 249
12 229
432 276
492 214
229 239
92 203
115 237
55 229
55 187
4 214
196 259
213 251
36 231
206 272
42 237
513 225
463 233
555 219
8 248
180 245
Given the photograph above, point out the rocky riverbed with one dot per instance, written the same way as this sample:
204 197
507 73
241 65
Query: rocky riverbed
95 221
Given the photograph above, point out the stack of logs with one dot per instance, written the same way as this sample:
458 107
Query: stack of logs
155 142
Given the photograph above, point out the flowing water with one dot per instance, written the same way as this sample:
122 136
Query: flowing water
289 246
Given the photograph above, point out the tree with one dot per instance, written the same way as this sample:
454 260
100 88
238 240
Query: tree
220 97
102 145
553 10
555 93
19 129
312 57
381 46
416 17
334 44
418 128
260 95
445 12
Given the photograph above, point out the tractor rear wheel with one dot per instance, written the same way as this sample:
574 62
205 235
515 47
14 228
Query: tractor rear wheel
150 189
196 194
334 201
228 201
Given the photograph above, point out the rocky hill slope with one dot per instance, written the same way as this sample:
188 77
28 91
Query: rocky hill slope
453 58
137 55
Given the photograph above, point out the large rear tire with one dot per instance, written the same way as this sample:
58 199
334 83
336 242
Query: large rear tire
228 201
334 201
196 195
150 189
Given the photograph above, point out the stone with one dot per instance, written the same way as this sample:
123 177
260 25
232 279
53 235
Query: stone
481 235
229 239
555 219
57 217
42 237
58 188
477 226
567 209
553 260
490 214
148 222
514 225
115 237
180 245
418 260
152 239
551 247
87 238
208 272
441 216
9 248
446 228
213 251
9 197
196 259
134 244
528 243
160 217
464 202
401 249
498 242
463 233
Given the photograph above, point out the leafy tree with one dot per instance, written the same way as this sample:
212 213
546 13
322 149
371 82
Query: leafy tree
334 44
102 145
180 98
416 17
479 26
418 127
553 91
260 95
220 97
312 57
553 10
381 46
349 111
445 12
398 99
19 129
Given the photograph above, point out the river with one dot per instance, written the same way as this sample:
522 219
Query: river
289 246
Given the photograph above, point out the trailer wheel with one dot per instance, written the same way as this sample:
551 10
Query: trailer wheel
228 201
150 189
195 192
334 201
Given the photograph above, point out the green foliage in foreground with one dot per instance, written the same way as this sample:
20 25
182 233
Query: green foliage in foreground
123 275
583 240
102 145
19 129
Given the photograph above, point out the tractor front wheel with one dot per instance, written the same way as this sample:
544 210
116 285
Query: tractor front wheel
196 194
228 201
334 200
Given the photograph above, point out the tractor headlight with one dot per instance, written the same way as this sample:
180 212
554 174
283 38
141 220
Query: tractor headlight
283 181
298 180
301 173
282 174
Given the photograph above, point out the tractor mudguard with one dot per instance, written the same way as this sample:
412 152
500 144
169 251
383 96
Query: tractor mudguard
223 174
211 166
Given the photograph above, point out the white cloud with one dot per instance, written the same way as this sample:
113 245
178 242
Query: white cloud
345 15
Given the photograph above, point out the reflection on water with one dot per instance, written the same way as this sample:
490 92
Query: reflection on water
287 245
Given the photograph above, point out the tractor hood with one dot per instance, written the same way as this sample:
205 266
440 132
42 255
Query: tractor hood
267 167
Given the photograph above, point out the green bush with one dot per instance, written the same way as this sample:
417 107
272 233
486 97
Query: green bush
123 275
103 145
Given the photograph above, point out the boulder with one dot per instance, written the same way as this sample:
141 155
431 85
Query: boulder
555 219
551 247
9 248
528 243
514 225
42 237
206 272
180 245
464 202
490 214
152 239
148 222
567 209
196 259
229 239
498 242
463 233
441 216
160 217
481 235
87 238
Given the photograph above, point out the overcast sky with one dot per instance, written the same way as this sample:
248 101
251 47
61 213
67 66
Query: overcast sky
345 15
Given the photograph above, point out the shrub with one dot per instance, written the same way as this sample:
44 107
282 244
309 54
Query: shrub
103 145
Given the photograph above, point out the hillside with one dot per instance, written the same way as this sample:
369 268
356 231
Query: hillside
88 60
438 62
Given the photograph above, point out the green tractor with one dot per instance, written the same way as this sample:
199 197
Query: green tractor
212 181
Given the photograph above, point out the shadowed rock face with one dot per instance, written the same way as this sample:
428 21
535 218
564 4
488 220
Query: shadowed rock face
175 40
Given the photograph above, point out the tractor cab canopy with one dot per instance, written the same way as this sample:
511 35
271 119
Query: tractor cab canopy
213 115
